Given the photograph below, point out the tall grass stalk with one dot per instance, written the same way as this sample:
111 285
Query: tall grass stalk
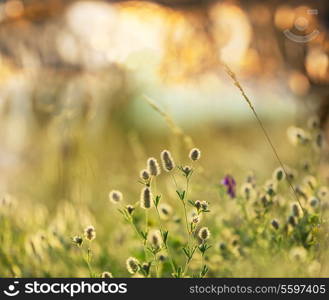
232 75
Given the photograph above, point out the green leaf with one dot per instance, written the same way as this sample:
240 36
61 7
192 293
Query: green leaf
157 200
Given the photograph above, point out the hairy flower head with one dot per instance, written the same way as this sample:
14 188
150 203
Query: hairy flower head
144 175
195 154
154 238
278 174
115 196
132 265
107 275
90 233
204 233
165 211
78 240
153 167
146 198
168 163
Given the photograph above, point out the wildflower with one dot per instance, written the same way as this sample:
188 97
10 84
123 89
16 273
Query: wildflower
230 183
130 209
264 199
270 187
162 258
195 154
275 224
323 193
310 181
298 136
196 219
115 196
90 233
247 191
187 170
292 221
132 265
278 174
168 163
197 204
153 167
146 198
300 191
295 210
313 123
78 240
297 253
154 238
204 205
165 210
144 175
291 174
314 202
107 275
204 233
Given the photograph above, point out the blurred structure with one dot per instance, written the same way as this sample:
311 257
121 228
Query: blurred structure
61 39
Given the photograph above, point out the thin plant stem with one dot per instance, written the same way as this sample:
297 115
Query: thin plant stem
166 247
244 95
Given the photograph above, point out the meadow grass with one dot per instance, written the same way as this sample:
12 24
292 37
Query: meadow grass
107 204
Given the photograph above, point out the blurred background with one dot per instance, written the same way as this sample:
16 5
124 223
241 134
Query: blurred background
75 77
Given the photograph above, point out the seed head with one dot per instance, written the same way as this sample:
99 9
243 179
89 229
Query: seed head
146 198
168 163
271 187
204 233
187 170
196 219
107 275
264 199
195 154
144 175
278 174
153 167
295 210
90 233
165 210
162 257
314 202
115 196
78 240
298 136
247 191
197 204
130 209
132 265
275 224
292 221
154 238
204 205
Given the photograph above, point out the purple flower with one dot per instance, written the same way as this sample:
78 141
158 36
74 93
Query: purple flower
230 184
